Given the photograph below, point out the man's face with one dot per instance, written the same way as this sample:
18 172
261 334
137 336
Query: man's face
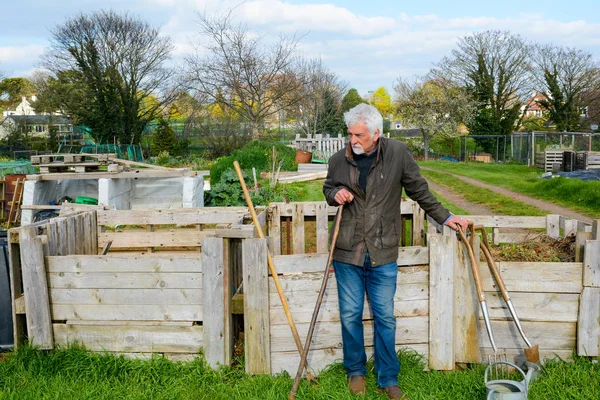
360 138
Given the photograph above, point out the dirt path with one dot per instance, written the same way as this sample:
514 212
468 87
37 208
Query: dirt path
458 200
542 205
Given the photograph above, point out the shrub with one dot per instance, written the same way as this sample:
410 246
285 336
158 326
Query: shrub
255 154
164 139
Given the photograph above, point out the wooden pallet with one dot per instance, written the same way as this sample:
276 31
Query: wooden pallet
64 167
51 158
547 159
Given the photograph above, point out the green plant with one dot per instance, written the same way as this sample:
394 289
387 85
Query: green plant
163 158
164 139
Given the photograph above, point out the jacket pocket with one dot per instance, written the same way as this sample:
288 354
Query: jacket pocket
389 233
345 238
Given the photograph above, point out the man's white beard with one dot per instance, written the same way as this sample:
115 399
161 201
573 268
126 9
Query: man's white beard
358 150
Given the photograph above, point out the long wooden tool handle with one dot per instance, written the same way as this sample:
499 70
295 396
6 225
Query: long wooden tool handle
484 245
261 235
313 321
474 266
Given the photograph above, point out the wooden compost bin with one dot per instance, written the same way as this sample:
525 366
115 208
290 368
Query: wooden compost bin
164 287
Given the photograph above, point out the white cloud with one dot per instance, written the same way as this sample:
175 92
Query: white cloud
14 54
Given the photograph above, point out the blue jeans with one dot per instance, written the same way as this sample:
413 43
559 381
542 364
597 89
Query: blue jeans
380 285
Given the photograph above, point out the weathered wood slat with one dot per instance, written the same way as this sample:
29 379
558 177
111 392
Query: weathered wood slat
580 240
553 225
588 333
119 263
16 289
552 277
211 215
319 359
216 346
466 306
516 355
124 280
326 335
548 335
171 238
157 339
505 221
257 343
441 327
63 236
129 312
315 262
543 307
39 324
329 311
322 235
591 263
101 322
126 296
275 230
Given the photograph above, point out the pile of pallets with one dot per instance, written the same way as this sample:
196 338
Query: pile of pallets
549 160
50 163
593 160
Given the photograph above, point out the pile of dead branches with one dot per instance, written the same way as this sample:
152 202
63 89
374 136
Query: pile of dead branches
540 248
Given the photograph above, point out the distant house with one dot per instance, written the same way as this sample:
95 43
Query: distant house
35 125
24 108
532 108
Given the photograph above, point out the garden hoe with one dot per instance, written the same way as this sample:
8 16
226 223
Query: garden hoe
272 269
313 321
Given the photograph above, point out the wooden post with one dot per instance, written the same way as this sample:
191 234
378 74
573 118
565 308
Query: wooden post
35 286
322 227
442 255
216 349
298 228
553 225
275 230
94 232
580 240
257 344
588 327
466 306
596 229
16 284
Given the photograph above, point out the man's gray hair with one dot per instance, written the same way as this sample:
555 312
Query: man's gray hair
367 113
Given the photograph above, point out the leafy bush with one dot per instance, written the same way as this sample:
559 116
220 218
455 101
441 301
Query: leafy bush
228 192
165 139
257 154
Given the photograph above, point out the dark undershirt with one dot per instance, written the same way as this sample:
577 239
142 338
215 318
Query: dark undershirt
364 163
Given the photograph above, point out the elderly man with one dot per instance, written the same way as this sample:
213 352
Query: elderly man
368 177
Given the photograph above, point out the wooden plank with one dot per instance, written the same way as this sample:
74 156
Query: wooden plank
315 262
466 306
52 232
409 330
128 312
88 247
63 236
39 322
515 237
101 322
94 231
441 291
550 277
275 230
329 312
596 229
318 360
298 229
257 344
418 225
591 263
215 349
156 263
580 240
19 305
588 331
16 288
548 307
71 236
80 234
126 296
183 216
504 221
170 238
155 339
124 280
322 228
136 174
548 335
516 355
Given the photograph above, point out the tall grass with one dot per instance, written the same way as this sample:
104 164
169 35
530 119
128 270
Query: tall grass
76 374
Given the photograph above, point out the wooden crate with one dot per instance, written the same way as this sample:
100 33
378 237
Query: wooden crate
548 158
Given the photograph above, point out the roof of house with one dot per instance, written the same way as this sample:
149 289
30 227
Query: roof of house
40 119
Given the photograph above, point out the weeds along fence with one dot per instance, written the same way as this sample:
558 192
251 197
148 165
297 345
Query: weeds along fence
179 282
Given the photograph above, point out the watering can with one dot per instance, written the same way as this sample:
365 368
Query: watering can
506 389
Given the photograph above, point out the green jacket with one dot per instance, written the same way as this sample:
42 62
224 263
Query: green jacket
371 222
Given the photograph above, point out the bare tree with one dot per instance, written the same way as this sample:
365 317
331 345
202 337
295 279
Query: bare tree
494 67
253 77
435 107
118 61
569 78
317 108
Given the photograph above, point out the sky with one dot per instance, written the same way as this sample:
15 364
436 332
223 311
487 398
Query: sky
368 44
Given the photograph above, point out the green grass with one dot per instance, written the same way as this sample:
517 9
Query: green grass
308 191
498 204
582 196
75 374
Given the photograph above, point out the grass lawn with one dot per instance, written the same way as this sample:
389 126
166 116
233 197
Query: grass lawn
75 374
582 196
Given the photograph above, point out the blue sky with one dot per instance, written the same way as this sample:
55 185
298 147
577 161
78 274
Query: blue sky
367 43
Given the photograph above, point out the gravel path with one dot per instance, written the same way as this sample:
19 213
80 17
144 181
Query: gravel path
551 208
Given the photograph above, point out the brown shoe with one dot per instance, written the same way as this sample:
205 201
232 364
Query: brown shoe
394 392
357 385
